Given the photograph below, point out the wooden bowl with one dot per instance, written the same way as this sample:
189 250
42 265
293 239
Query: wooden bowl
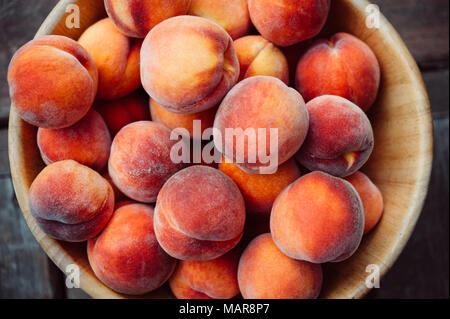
400 164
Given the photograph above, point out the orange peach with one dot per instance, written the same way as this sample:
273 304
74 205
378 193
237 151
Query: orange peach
185 121
371 198
199 214
261 190
266 273
118 195
287 22
232 15
116 57
87 142
319 218
257 56
340 137
188 64
135 18
140 161
121 112
216 278
264 116
52 82
70 201
126 256
343 66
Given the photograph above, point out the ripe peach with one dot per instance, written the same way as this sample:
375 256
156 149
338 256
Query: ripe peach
52 82
87 142
135 18
371 198
266 273
70 201
340 137
343 66
116 57
126 256
118 195
255 104
199 214
188 64
287 22
140 162
232 15
257 56
261 190
319 218
186 121
121 112
216 278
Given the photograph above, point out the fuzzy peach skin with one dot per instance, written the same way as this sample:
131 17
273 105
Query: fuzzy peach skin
87 142
140 163
371 198
261 190
266 273
135 18
126 256
70 201
199 214
340 138
116 57
123 111
185 121
287 22
260 102
118 195
188 64
257 56
319 218
232 15
211 279
52 82
343 66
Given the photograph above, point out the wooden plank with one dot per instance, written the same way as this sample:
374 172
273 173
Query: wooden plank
422 269
423 25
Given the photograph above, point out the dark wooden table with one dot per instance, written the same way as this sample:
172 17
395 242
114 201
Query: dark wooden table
422 271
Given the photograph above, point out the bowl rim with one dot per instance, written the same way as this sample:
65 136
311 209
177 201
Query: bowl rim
56 251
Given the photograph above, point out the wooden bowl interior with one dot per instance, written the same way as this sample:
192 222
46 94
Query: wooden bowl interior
400 164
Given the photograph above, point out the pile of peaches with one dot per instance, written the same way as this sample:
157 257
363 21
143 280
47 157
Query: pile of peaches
212 230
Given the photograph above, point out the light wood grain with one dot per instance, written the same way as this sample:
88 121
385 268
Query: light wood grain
400 164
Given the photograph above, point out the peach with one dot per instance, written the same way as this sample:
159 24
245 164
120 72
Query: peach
123 111
188 64
266 273
319 218
340 137
343 66
261 190
185 121
118 195
216 278
371 198
232 15
70 201
140 161
257 56
52 82
199 214
135 18
260 108
87 142
287 22
116 57
126 256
